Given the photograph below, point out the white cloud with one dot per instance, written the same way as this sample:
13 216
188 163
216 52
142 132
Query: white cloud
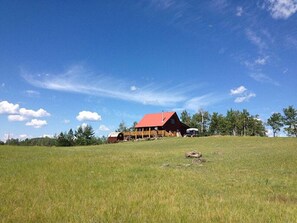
16 114
245 97
133 88
47 136
103 128
239 11
16 118
66 121
242 94
23 136
31 113
238 90
8 108
281 9
36 123
83 125
88 116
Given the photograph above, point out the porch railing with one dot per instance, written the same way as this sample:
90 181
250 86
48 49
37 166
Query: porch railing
148 134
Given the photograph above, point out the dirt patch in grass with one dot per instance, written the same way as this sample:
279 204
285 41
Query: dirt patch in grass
280 198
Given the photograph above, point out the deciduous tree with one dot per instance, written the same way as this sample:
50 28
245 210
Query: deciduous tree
275 122
290 121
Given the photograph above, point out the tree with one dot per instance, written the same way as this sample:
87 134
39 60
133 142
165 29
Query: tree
62 140
244 119
290 120
85 135
200 120
232 121
132 128
256 126
122 127
217 124
214 124
205 121
275 122
12 141
70 137
186 118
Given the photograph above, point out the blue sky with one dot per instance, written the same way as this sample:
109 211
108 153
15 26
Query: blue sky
69 63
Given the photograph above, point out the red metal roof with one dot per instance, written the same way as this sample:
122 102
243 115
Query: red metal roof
152 120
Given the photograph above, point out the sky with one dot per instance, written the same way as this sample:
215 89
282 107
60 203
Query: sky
66 63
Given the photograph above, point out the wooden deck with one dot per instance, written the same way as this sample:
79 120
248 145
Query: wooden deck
148 134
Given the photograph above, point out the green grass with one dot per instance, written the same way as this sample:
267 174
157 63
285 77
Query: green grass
245 179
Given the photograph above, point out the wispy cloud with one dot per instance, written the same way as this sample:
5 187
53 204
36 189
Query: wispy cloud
163 4
219 5
291 41
78 79
203 101
177 12
31 93
239 11
263 78
261 60
281 9
103 128
255 39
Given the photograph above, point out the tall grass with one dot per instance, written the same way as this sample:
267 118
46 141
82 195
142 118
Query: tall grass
245 179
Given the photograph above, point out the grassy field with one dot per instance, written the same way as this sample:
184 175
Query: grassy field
245 179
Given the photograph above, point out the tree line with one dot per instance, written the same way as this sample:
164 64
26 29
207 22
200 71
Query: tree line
84 135
241 123
235 123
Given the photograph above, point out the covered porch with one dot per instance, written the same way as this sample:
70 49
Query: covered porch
150 133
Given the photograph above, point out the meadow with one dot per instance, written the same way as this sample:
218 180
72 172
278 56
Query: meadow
245 179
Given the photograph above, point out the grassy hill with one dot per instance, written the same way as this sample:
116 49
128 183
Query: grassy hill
245 179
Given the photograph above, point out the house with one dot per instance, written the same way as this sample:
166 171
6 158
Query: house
115 137
158 125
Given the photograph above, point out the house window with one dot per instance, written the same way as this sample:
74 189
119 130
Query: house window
172 121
